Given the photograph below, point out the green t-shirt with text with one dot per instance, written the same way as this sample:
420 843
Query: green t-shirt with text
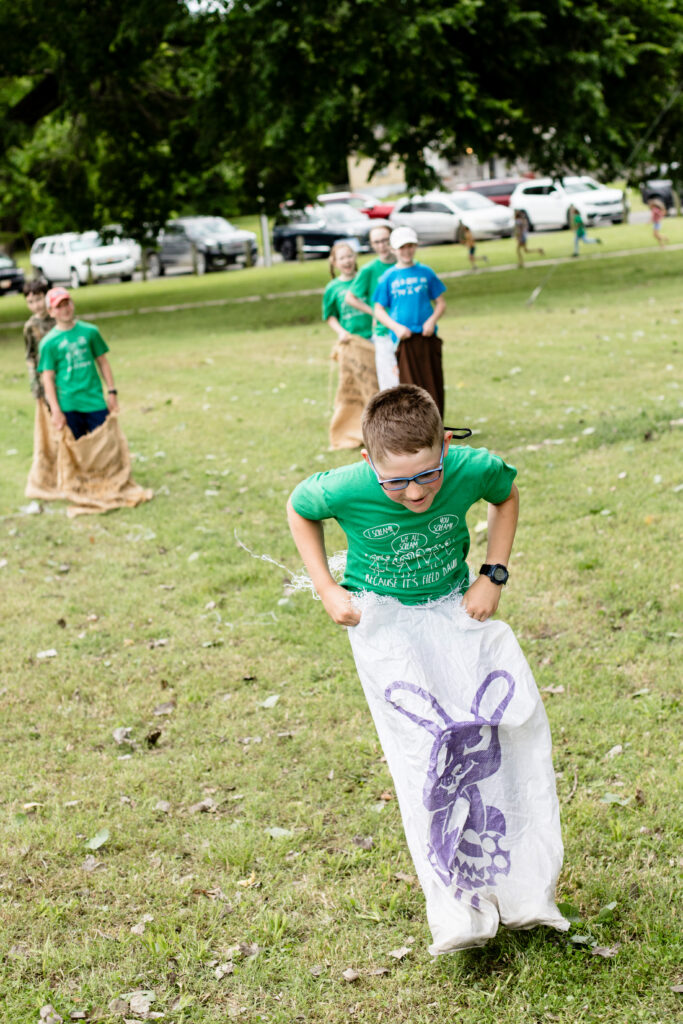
364 285
351 319
413 556
71 355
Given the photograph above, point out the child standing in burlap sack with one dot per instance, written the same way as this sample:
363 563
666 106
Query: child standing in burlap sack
403 303
456 708
353 351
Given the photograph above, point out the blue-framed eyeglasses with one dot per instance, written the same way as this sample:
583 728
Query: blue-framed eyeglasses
428 476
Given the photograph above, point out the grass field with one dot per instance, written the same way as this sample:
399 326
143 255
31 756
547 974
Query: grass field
113 881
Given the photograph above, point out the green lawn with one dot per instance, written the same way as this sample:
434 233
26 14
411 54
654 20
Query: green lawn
162 622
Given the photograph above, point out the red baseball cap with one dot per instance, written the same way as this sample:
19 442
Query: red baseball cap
55 296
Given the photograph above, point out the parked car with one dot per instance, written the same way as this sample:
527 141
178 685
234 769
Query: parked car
498 190
367 204
437 217
662 189
11 276
546 201
319 227
482 216
80 258
201 244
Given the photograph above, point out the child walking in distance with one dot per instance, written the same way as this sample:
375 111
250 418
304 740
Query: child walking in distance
409 301
359 296
521 236
70 356
580 235
458 714
658 211
353 351
467 238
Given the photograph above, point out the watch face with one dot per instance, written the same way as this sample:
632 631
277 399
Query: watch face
500 574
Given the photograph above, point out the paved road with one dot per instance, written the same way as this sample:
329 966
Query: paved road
270 296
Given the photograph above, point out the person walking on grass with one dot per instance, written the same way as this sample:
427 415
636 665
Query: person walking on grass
466 237
576 220
353 351
359 296
409 301
72 357
521 230
441 676
658 212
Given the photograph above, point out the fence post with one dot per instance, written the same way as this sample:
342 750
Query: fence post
300 248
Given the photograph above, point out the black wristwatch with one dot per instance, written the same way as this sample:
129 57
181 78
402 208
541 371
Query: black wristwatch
496 573
112 391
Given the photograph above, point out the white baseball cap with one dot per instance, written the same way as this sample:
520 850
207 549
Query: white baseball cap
402 236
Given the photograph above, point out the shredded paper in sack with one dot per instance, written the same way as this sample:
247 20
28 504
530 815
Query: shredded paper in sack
467 742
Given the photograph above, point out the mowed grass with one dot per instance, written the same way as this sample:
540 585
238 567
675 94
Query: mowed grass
162 622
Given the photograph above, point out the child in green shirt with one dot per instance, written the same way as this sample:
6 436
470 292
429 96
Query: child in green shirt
360 297
458 714
70 356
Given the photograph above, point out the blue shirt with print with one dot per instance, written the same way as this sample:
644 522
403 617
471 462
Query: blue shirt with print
407 294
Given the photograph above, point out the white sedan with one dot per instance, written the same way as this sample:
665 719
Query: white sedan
437 217
546 201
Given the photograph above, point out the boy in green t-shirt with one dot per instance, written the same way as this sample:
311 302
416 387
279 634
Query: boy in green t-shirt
360 296
70 356
409 480
460 719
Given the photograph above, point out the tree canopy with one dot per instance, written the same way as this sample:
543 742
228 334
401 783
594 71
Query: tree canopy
127 111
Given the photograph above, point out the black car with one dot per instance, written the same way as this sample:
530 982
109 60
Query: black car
201 244
319 228
11 276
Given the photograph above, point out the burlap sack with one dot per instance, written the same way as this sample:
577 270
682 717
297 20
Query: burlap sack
93 473
42 477
357 385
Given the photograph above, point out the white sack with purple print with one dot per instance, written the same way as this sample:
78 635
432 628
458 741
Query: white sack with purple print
467 741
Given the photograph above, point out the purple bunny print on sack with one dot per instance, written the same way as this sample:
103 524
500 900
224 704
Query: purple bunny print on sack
465 834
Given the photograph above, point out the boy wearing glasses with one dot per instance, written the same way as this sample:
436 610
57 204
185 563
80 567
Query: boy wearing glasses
458 714
360 296
390 504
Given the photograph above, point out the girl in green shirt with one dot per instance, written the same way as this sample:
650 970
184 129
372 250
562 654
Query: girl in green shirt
344 320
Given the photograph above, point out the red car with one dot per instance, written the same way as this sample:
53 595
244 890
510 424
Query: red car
498 190
360 201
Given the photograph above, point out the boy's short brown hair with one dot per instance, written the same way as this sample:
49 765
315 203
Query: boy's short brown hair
36 286
401 420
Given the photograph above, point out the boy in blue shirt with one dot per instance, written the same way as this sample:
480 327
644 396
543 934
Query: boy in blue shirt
409 301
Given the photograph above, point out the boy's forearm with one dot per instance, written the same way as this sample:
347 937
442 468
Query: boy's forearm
105 370
47 378
388 321
310 541
439 308
357 303
502 525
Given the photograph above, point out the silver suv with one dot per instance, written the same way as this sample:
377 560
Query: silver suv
80 259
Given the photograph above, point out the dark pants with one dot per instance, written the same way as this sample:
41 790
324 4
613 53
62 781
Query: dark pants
419 362
80 423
